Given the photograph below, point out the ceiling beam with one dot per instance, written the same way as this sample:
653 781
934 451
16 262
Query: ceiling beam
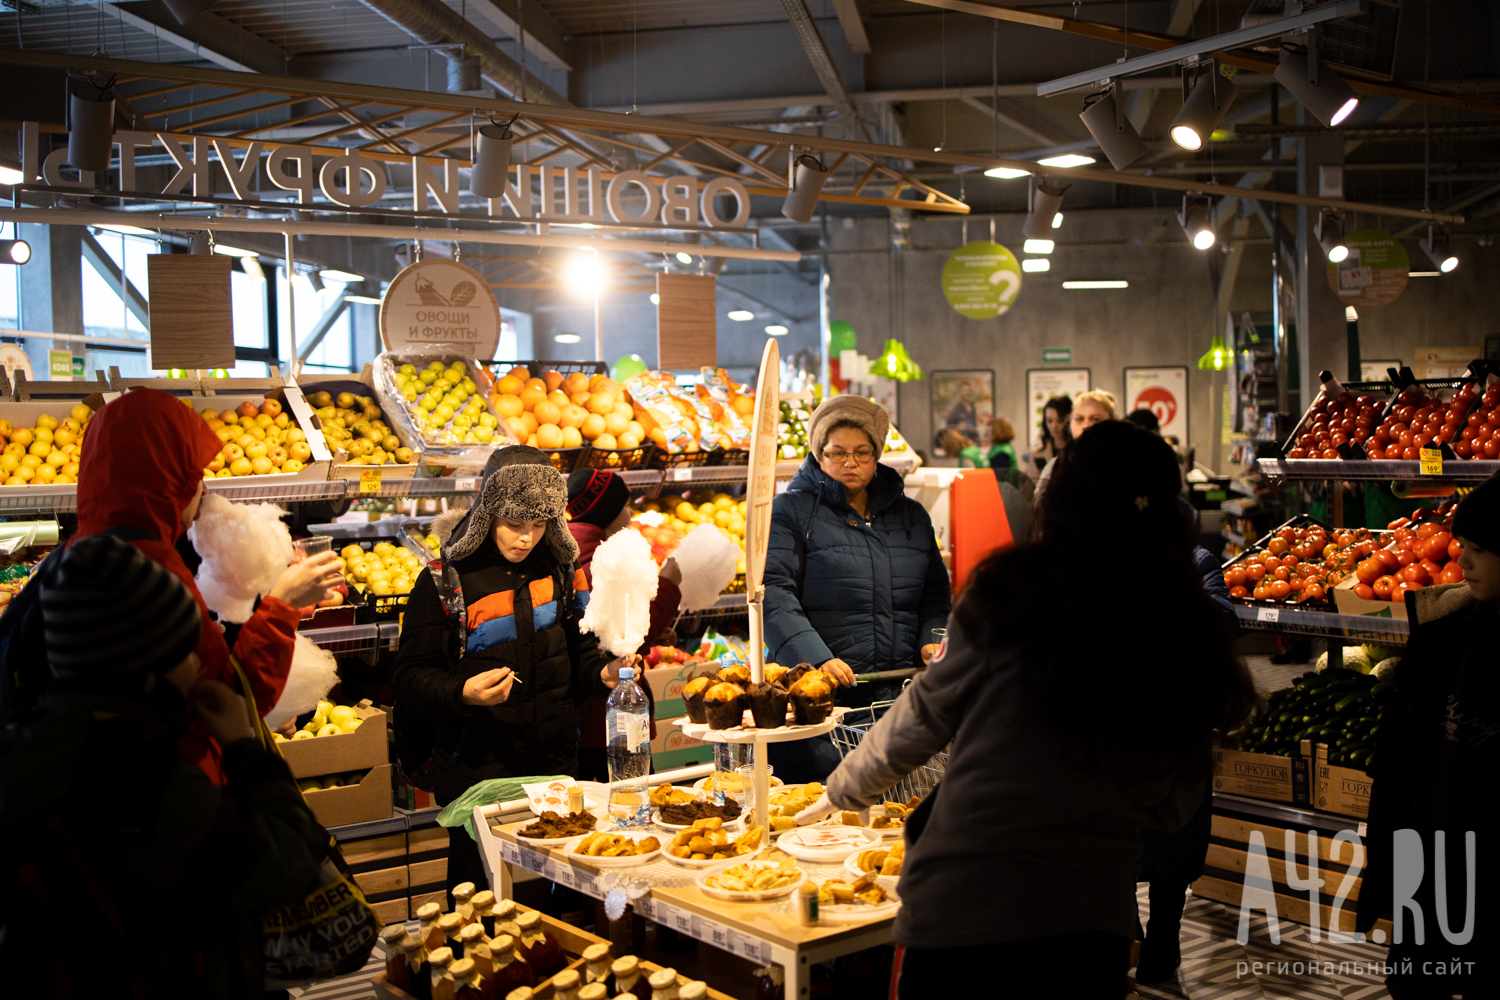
172 38
545 38
822 63
1181 19
853 25
211 31
1012 117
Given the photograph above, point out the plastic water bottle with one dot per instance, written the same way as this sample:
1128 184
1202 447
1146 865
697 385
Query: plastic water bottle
627 730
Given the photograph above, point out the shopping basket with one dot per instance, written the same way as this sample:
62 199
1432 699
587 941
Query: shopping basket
855 725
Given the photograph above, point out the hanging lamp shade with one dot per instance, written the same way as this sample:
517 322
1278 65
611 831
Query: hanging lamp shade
1217 357
91 127
491 160
895 363
1112 131
802 200
1046 202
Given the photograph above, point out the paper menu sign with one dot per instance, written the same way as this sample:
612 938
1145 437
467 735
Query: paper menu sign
828 837
549 795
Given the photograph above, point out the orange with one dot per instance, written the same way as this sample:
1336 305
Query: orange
573 415
271 407
532 395
247 409
744 405
241 467
629 440
532 423
518 428
536 383
575 383
625 410
549 436
300 451
558 398
553 379
547 412
581 398
521 372
593 426
531 441
606 441
596 382
658 437
509 405
602 402
634 427
571 438
509 385
615 424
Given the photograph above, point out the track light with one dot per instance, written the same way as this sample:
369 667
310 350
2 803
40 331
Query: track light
684 258
1436 246
491 160
14 251
807 185
1106 122
1046 203
1320 91
1196 219
200 243
91 126
1331 235
1203 109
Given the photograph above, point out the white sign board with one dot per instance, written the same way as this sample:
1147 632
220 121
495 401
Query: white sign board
440 302
1044 383
1163 391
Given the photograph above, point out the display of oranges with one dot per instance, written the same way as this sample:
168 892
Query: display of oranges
47 453
558 411
260 439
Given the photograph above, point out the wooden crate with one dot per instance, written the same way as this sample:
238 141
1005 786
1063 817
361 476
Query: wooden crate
392 911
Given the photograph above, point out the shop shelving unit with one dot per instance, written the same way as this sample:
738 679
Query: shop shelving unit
1279 470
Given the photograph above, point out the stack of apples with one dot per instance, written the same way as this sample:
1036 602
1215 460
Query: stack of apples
665 521
258 441
47 453
557 411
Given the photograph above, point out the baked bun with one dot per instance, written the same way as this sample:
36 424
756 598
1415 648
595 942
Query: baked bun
724 704
692 696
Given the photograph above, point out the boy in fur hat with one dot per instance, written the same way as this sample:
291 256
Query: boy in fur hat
493 659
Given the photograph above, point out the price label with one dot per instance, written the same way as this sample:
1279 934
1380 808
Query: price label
466 485
1432 462
587 884
718 936
510 853
532 861
745 946
369 480
1268 614
682 922
562 874
682 474
646 907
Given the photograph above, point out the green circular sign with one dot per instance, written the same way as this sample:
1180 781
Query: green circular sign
1375 272
981 280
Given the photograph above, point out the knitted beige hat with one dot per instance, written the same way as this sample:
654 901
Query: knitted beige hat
855 410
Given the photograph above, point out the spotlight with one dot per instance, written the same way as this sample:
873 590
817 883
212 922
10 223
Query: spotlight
1115 135
684 258
1320 91
741 315
776 330
1196 219
1067 160
200 243
1350 315
1004 173
1057 221
1039 246
491 160
91 126
1046 204
655 299
583 274
567 338
1435 246
802 199
1034 264
14 251
1331 235
1203 109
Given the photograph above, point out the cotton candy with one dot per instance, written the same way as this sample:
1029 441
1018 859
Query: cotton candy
313 674
625 579
707 559
244 547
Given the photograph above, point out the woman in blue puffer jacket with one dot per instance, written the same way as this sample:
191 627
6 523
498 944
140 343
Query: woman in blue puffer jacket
854 580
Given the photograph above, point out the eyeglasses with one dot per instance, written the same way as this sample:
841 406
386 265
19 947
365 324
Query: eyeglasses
839 456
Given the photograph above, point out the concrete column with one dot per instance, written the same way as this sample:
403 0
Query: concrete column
52 289
1322 339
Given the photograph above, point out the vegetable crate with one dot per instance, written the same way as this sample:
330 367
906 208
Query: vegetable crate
1260 544
856 724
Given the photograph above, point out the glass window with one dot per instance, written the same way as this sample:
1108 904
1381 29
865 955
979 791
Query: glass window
10 286
248 297
335 351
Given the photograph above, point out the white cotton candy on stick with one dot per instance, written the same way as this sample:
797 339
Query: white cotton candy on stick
313 674
625 579
708 561
244 548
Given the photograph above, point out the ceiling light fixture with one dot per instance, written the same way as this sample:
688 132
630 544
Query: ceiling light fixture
364 300
1318 89
1067 160
344 277
655 299
1216 358
1203 108
492 144
684 258
741 315
229 251
91 126
1006 173
567 338
1105 119
1438 249
776 330
1196 219
1046 203
1057 221
584 274
1039 246
807 185
1033 264
1330 231
10 175
1095 284
14 251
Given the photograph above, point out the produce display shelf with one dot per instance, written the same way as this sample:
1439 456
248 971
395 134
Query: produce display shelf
246 490
1322 623
356 638
1372 471
438 487
1292 816
59 499
1240 506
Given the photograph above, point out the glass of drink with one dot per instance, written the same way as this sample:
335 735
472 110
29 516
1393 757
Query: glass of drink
746 774
311 546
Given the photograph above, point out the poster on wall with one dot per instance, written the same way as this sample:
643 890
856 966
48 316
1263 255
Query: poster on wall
1044 383
981 280
1163 391
1375 371
1443 362
1375 272
962 401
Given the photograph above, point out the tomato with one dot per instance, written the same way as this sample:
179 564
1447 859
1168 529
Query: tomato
1281 573
1388 559
1344 539
1455 549
1364 591
1364 548
1416 573
1278 546
1288 535
1290 560
1384 586
1256 571
1452 573
1314 592
1239 592
1398 593
1492 446
1297 583
1272 564
1403 535
1427 529
1235 576
1369 571
1406 557
1279 589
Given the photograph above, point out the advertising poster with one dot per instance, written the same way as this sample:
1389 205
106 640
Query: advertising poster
963 401
1044 383
1375 272
1163 391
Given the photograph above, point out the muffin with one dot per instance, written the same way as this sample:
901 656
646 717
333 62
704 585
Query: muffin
767 704
736 673
725 705
774 672
692 695
812 698
794 675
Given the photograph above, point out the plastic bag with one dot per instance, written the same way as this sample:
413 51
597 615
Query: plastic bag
658 412
460 812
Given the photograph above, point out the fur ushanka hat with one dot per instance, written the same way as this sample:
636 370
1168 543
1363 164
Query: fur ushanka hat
519 485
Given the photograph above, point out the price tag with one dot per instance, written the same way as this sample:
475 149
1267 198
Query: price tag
745 946
718 935
466 485
532 861
562 874
1432 462
510 853
586 884
701 928
1268 614
369 480
646 907
682 474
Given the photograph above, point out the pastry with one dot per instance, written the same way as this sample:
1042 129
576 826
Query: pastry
774 672
812 698
687 813
767 703
724 704
735 673
793 675
692 695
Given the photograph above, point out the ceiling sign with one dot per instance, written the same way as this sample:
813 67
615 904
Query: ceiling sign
1375 272
440 302
981 280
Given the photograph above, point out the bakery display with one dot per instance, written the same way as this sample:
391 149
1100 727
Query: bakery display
552 826
767 704
885 861
706 840
865 891
615 845
886 816
735 673
812 697
692 696
725 705
783 804
670 795
756 877
688 813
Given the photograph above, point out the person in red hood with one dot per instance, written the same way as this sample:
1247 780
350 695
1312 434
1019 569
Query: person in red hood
141 477
599 506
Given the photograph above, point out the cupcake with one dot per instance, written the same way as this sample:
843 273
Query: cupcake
767 704
812 698
735 674
774 672
725 705
794 675
692 695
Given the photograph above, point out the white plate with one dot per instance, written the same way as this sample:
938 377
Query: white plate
628 861
553 795
743 897
826 843
549 841
702 785
738 821
886 882
852 913
712 863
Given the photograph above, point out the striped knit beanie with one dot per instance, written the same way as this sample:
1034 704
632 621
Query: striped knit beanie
109 610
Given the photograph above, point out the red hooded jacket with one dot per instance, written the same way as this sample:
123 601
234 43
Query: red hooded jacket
143 459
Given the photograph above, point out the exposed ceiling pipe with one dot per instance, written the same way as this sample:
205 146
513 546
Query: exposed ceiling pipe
822 64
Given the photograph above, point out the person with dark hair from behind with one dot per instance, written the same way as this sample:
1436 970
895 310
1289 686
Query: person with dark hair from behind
108 833
1145 420
1023 863
1433 776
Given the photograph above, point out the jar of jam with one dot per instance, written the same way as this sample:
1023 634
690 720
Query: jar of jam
463 893
565 984
626 972
465 979
596 962
392 937
441 979
451 924
537 945
663 983
484 911
511 970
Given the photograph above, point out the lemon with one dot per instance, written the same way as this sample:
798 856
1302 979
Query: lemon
302 734
340 714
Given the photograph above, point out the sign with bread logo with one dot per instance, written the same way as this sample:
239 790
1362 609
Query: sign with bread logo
440 302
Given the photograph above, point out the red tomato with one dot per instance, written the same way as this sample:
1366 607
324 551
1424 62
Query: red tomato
1427 529
1388 559
1365 591
1290 560
1406 557
1239 592
1272 564
1369 571
1281 573
1278 546
1403 535
1398 593
1433 569
1452 573
1415 573
1384 586
1455 550
1279 589
1314 591
1256 572
1235 576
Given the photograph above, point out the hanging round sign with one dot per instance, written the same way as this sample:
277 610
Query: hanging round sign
1375 272
981 280
439 302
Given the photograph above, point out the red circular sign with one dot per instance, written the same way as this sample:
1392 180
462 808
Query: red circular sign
1159 401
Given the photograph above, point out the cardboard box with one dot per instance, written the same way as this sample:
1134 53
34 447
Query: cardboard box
370 799
1341 790
365 747
666 686
293 402
341 468
1350 603
1261 775
674 748
411 797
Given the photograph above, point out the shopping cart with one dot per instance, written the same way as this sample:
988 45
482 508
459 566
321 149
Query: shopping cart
855 725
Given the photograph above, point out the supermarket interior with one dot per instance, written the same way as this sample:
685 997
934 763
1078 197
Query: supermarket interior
527 500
